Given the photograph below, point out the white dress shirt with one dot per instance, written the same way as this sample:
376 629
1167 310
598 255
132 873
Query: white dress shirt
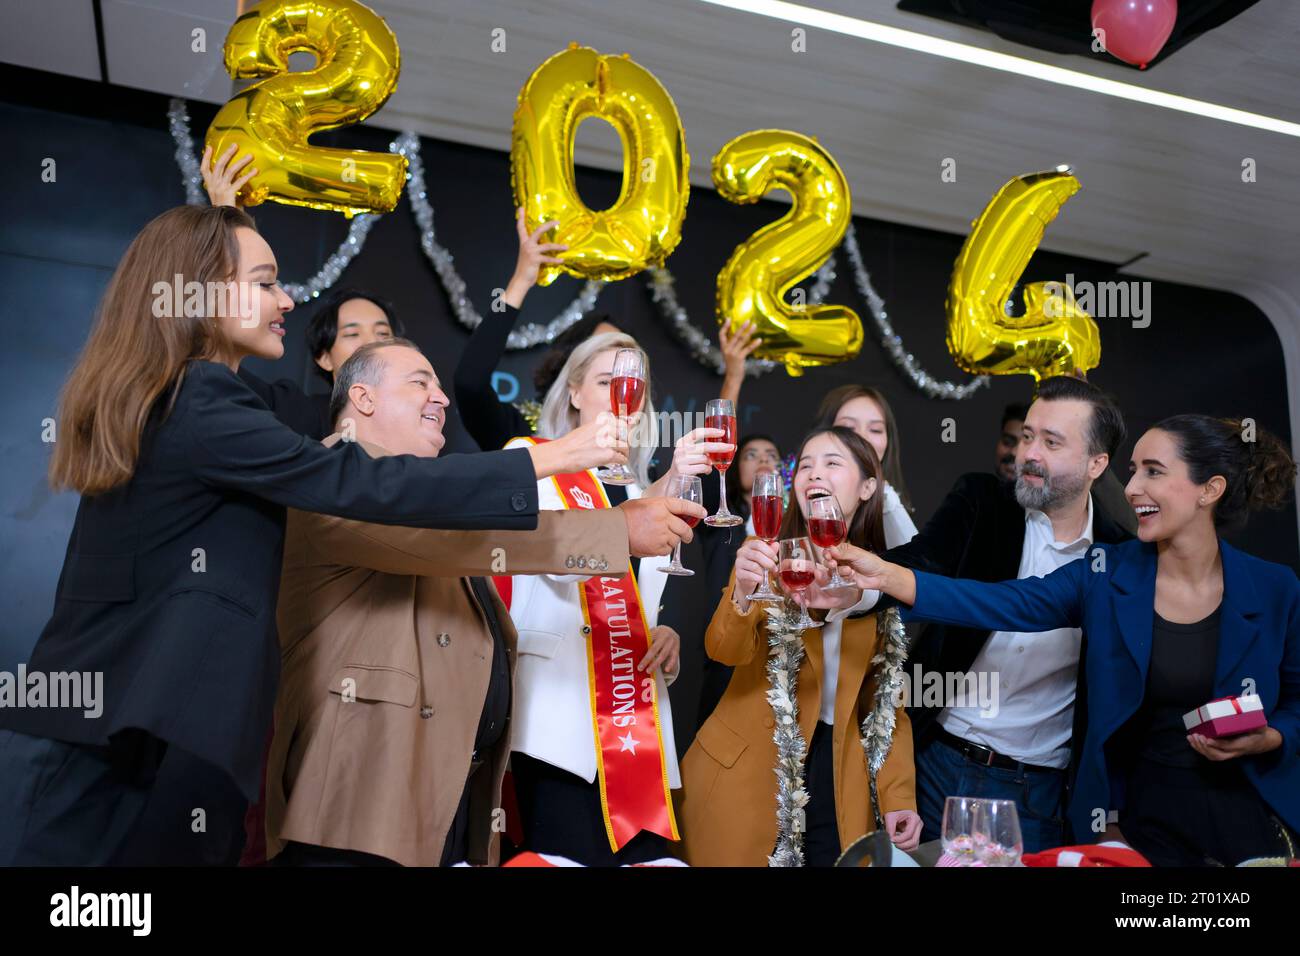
899 529
1036 672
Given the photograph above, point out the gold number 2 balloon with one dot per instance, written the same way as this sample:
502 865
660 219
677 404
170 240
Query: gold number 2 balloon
645 225
356 71
1054 336
753 284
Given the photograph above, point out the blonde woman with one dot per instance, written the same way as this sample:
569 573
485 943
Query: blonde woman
593 754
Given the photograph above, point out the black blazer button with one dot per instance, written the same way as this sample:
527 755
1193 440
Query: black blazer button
426 712
518 501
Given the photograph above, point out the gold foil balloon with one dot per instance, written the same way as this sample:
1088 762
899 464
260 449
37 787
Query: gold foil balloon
645 225
357 62
1054 336
753 284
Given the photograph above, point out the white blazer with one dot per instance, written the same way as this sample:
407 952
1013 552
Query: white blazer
552 718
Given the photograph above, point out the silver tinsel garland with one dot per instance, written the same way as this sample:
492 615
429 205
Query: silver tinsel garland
785 654
878 726
660 281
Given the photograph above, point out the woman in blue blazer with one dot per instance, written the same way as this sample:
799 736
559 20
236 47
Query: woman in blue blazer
1171 621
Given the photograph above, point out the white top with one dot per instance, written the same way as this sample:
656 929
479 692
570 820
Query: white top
899 526
1027 681
899 529
552 719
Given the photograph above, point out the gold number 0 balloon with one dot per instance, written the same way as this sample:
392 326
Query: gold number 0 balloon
357 67
645 225
1054 336
753 284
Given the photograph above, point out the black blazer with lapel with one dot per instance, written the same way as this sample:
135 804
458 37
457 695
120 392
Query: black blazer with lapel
978 532
170 581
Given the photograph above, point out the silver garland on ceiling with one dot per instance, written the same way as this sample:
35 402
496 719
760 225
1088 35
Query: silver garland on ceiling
660 282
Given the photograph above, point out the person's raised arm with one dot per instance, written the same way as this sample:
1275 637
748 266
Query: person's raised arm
490 421
234 442
736 347
1027 604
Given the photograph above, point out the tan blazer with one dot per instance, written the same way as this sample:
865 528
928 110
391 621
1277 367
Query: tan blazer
728 806
386 615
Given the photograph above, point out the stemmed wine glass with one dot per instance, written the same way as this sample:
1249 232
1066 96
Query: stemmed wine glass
959 823
688 488
767 504
796 566
827 528
720 413
626 394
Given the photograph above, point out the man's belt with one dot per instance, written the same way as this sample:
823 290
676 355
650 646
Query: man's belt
988 757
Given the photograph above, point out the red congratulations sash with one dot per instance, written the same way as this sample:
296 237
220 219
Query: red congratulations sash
634 792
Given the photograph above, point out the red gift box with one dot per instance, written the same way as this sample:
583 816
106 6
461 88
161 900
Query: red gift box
1226 717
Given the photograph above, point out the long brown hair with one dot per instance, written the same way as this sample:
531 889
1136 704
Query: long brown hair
867 526
134 356
892 465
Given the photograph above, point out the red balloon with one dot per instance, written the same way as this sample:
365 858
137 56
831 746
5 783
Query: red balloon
1134 31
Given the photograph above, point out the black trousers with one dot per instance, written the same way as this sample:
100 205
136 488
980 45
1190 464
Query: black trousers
1199 816
561 815
136 803
821 844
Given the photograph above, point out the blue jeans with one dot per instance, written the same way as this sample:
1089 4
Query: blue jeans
942 772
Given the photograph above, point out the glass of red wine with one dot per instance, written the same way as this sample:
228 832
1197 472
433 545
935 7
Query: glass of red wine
797 565
626 395
720 413
688 488
767 504
827 528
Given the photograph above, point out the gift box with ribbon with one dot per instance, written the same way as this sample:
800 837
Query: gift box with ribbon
1226 717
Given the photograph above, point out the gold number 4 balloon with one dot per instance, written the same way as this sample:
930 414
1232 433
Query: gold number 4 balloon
644 225
357 66
1054 336
753 284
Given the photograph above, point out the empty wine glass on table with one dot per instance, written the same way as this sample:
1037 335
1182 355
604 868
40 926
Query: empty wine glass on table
767 504
796 566
997 833
959 825
626 395
688 488
827 528
721 413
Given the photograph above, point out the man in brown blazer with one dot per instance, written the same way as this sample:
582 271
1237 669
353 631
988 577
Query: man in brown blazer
392 720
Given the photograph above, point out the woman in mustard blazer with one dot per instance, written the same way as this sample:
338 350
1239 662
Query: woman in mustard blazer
728 806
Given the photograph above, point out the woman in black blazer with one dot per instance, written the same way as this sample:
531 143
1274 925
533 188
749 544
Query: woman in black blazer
168 590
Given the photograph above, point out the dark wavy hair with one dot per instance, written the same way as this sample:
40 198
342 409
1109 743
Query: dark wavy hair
867 526
323 328
1258 474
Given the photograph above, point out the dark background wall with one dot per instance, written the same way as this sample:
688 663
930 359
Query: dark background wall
1205 351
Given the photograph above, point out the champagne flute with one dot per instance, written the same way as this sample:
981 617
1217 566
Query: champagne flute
626 394
767 504
688 488
827 528
796 566
720 413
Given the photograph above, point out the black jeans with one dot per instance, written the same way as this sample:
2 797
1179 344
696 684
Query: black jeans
561 815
